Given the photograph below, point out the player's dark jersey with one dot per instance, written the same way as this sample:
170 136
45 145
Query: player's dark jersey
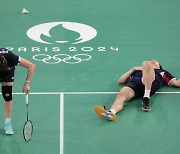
162 76
12 61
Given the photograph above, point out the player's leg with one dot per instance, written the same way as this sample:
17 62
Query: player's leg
147 79
7 95
125 94
148 74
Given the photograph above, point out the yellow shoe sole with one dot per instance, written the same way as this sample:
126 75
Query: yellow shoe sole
101 113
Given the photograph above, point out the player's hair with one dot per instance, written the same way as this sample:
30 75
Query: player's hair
3 63
160 67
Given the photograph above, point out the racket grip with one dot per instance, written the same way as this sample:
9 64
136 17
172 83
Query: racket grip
26 98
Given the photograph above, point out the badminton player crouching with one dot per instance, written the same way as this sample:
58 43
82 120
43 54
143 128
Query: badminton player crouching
141 82
8 62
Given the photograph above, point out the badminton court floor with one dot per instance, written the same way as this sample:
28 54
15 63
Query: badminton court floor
65 123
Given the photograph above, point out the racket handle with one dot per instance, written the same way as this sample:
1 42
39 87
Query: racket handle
26 98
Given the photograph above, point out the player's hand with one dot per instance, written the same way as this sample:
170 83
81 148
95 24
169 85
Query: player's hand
26 88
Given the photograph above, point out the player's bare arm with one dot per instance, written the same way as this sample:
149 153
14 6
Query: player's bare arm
31 67
175 83
125 77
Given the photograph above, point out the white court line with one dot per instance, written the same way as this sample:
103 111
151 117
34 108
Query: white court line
85 93
61 150
175 92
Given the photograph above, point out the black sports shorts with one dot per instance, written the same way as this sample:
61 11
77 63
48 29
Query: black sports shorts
7 76
138 87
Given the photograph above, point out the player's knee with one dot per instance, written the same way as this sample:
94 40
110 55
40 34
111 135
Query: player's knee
126 93
147 64
7 93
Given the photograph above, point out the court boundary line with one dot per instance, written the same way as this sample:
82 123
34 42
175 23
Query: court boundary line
79 93
61 150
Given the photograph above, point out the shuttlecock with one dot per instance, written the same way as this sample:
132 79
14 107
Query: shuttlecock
24 11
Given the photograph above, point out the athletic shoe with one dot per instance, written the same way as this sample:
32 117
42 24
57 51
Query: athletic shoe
8 129
146 104
109 115
102 112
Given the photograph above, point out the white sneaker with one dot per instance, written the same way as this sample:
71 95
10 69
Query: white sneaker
8 129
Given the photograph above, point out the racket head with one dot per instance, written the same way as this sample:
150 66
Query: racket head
28 130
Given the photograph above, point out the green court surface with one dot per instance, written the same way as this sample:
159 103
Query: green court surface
73 75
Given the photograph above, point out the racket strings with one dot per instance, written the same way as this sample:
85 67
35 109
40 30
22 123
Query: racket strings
28 129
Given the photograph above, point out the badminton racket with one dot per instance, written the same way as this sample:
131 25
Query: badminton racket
28 126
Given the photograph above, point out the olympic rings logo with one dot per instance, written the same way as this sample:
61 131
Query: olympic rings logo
61 58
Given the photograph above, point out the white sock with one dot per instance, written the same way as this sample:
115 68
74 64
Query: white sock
8 120
147 93
113 111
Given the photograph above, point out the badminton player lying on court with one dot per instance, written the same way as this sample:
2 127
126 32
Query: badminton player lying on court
141 82
8 61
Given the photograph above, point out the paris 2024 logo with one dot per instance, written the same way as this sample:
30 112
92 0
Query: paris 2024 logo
85 32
